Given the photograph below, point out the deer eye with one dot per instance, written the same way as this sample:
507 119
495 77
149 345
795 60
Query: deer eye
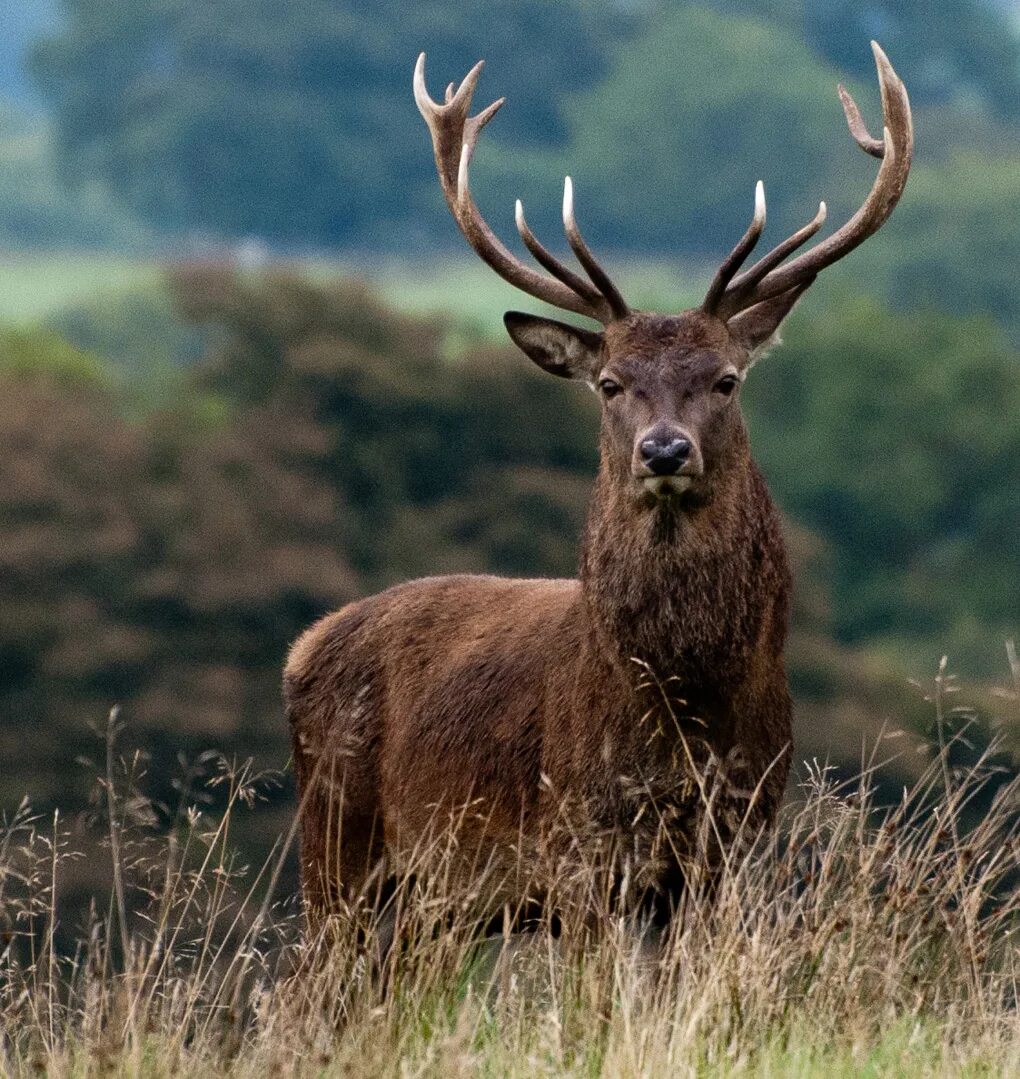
726 385
610 387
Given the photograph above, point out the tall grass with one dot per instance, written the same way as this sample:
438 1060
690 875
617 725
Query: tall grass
856 937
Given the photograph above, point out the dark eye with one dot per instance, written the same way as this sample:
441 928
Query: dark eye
726 385
610 387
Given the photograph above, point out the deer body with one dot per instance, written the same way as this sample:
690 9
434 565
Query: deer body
511 696
528 716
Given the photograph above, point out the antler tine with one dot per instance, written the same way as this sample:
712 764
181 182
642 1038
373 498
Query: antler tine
449 123
742 284
736 258
858 129
617 304
454 135
547 259
896 152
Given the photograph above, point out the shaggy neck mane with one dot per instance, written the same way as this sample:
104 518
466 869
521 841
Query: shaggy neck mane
673 585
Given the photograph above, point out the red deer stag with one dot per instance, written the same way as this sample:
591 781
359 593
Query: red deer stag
610 693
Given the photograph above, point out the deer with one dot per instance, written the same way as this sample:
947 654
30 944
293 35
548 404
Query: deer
504 707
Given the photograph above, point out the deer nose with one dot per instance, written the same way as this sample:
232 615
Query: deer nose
665 456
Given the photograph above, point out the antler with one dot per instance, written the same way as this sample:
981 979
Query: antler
731 293
454 134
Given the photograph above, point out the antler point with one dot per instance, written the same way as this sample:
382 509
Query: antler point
759 202
568 202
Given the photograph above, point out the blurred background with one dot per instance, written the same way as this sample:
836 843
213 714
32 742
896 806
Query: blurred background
249 371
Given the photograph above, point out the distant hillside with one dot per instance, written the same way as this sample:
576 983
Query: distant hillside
24 21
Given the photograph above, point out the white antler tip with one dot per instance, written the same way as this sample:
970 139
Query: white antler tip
568 198
420 93
519 212
759 201
882 62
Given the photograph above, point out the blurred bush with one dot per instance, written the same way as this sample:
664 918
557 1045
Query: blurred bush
895 437
164 564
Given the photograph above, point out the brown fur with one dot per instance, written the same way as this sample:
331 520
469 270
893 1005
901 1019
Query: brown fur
603 694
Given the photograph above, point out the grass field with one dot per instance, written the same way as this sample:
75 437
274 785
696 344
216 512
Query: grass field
37 287
34 287
853 941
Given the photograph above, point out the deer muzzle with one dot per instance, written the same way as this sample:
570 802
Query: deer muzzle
666 460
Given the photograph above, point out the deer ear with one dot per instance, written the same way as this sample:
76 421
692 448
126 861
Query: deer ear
560 349
757 328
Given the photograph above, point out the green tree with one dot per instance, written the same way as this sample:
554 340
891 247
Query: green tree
953 51
293 121
952 244
896 438
949 51
37 210
665 150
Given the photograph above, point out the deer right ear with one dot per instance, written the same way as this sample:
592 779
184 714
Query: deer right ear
566 351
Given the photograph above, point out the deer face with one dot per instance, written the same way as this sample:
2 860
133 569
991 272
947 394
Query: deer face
669 388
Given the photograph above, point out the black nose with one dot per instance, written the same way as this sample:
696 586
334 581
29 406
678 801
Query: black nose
665 456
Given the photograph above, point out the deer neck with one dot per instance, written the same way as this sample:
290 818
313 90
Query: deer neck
667 588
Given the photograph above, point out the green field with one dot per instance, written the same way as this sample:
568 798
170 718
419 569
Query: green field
36 287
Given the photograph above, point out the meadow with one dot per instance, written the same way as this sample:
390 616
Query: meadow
37 286
862 938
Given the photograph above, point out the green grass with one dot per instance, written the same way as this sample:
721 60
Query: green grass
37 287
470 293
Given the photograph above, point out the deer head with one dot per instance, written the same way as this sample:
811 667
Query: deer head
669 384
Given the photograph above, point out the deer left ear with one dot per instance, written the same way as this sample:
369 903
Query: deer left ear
566 351
757 328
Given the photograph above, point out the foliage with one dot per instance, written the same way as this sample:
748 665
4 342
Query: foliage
954 50
295 123
41 353
952 245
290 121
667 152
957 50
24 23
146 563
415 442
895 436
35 209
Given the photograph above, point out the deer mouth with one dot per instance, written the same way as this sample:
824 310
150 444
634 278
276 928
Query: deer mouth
667 486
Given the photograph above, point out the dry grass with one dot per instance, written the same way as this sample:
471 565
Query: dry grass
857 939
